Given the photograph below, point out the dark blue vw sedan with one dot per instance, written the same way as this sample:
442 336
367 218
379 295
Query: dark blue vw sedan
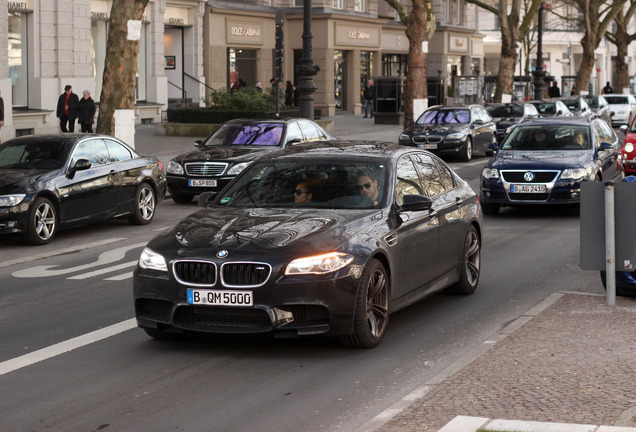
544 161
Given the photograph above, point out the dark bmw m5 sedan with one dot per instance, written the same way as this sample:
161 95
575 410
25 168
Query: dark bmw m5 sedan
323 238
53 182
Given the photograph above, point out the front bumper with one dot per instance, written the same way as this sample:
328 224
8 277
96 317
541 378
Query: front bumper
283 307
435 144
14 219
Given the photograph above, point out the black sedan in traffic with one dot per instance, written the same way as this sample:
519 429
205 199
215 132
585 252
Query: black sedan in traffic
545 161
322 238
507 115
54 182
452 130
230 149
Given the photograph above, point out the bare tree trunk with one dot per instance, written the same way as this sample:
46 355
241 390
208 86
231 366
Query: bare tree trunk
505 75
586 66
420 27
121 64
621 66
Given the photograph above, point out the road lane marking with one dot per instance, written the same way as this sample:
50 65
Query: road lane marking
60 252
66 346
107 257
104 270
120 277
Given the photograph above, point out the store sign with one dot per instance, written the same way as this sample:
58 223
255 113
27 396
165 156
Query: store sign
100 10
458 43
25 6
347 34
244 32
176 16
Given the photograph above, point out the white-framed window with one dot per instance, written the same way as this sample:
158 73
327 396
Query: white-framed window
337 4
18 65
360 6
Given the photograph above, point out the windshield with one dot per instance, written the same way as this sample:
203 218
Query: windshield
307 183
572 104
617 100
258 134
546 108
33 155
505 111
592 101
547 137
438 116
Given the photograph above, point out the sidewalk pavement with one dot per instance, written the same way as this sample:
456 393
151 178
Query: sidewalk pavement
567 365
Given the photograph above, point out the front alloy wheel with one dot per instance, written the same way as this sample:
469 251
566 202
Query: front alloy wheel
145 203
371 314
42 222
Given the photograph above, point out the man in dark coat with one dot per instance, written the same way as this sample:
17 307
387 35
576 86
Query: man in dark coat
67 106
369 99
554 90
86 112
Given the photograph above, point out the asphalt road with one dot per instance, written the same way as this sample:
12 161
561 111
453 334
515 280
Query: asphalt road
71 358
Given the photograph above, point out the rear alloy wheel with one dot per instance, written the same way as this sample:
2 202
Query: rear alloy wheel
145 204
42 222
470 266
467 150
371 314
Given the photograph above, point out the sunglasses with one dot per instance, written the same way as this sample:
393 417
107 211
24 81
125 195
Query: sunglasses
300 191
365 185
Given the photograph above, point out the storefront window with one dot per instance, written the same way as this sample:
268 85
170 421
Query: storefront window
339 78
241 66
366 70
394 64
18 58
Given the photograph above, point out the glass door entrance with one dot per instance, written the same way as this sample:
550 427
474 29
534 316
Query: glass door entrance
339 79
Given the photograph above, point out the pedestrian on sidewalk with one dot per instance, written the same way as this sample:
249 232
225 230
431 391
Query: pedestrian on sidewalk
86 112
1 114
67 109
369 99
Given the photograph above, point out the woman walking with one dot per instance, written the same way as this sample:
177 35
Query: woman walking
86 111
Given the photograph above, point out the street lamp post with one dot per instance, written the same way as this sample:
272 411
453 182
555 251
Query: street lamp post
539 73
306 70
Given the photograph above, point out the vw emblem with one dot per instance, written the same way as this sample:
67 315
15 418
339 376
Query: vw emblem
528 176
222 254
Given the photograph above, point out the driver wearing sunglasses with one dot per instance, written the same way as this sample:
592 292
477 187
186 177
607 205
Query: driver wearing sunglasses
303 193
368 187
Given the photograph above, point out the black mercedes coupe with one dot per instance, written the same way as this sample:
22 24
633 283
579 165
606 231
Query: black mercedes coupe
324 238
54 182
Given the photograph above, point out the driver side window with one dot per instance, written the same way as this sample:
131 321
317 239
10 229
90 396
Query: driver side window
408 181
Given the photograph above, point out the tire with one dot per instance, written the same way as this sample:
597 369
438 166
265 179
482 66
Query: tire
467 151
371 314
42 223
145 205
490 209
470 265
182 198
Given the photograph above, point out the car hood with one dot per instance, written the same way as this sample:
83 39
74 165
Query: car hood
506 159
226 153
20 181
443 128
270 230
503 122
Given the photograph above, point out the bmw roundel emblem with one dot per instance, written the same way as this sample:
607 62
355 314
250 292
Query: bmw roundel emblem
222 254
528 176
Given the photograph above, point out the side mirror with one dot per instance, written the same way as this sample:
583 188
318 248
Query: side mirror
416 203
479 122
198 143
494 146
606 146
206 198
559 112
623 129
80 165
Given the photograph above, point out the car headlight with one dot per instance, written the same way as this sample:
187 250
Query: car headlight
319 264
404 137
175 168
236 169
455 136
629 147
11 200
574 173
150 259
490 173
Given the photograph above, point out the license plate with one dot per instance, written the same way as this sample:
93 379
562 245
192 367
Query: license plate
220 297
527 188
202 183
427 146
